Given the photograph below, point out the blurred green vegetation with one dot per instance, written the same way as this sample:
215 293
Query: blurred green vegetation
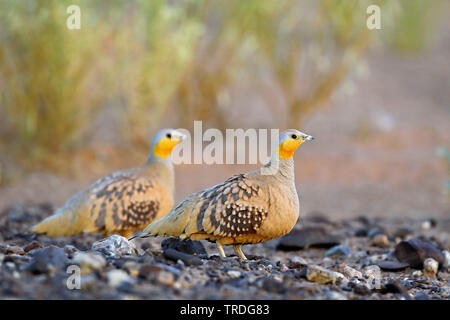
154 58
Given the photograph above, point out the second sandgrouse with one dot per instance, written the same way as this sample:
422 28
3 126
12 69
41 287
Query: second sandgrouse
124 201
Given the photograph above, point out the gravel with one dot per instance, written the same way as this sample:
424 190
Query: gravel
337 263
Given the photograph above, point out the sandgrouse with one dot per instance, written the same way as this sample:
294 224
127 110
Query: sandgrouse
124 201
245 209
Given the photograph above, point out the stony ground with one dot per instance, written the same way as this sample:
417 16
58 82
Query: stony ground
355 258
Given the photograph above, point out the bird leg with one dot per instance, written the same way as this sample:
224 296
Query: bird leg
238 250
220 248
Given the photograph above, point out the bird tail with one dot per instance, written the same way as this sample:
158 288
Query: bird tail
62 223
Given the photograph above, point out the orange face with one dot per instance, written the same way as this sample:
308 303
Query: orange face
164 147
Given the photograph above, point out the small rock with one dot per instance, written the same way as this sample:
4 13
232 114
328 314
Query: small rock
32 245
428 224
430 267
234 273
415 252
417 274
117 277
70 249
339 251
349 272
47 260
187 259
321 275
308 237
371 272
392 265
14 250
165 278
379 240
115 246
299 261
446 254
88 262
186 246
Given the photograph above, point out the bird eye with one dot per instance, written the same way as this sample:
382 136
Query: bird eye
169 136
294 136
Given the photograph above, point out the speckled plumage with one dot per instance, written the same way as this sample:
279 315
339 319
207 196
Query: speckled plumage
247 208
122 202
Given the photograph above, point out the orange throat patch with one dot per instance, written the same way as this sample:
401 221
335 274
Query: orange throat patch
287 148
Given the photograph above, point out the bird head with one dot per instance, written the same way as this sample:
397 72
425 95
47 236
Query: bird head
288 142
164 142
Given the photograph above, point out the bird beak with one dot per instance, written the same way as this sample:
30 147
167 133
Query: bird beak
309 138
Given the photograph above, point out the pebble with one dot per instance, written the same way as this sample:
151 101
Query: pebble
187 259
117 277
165 278
115 246
379 240
394 286
371 272
417 274
321 275
70 249
88 262
47 260
14 250
297 260
339 251
446 254
349 272
430 267
186 246
234 273
306 237
392 265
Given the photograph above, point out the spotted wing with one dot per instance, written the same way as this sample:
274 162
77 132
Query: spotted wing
235 207
124 203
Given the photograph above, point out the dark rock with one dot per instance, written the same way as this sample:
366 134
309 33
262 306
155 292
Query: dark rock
339 250
308 237
391 265
361 232
47 260
187 259
186 246
415 252
394 286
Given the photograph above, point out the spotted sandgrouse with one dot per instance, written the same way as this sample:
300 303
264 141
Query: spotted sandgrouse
245 209
124 201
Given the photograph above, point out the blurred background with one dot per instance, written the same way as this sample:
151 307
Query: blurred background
78 104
